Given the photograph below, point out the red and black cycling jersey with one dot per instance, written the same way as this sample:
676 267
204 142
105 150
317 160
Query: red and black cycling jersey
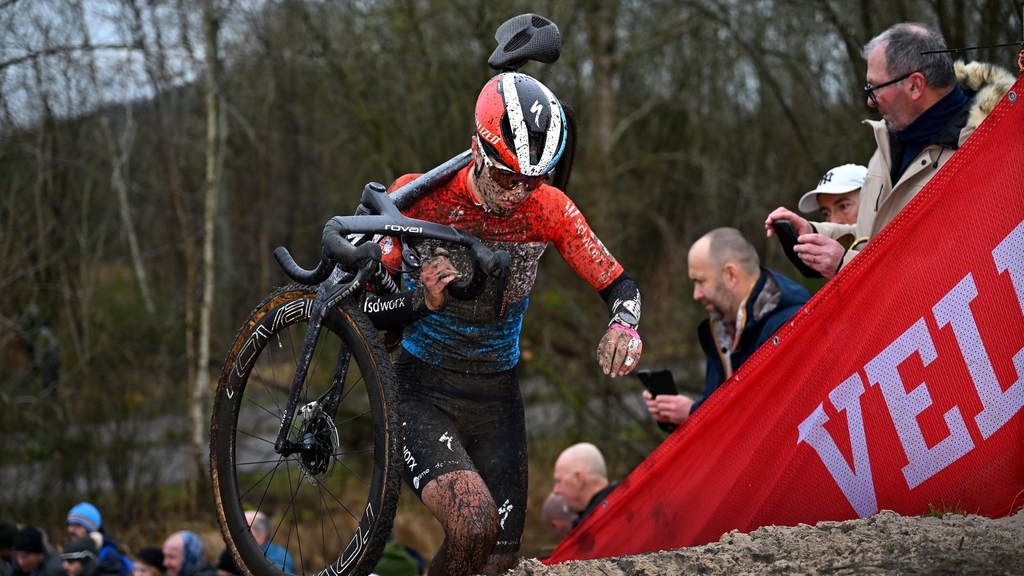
470 336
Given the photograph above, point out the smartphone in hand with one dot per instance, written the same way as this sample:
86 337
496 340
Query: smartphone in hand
787 235
659 382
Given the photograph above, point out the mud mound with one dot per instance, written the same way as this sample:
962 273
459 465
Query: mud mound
886 543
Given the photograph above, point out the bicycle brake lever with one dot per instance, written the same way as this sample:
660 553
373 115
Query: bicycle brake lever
340 291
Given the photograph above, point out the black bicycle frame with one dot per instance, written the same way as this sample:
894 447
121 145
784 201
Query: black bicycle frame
378 214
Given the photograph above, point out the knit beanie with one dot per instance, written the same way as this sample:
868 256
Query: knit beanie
87 515
29 539
81 549
8 532
152 556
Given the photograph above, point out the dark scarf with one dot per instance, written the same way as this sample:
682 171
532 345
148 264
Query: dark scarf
924 130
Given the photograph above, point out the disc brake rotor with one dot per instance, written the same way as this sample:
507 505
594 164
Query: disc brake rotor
319 438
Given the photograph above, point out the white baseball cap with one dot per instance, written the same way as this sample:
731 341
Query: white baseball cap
839 180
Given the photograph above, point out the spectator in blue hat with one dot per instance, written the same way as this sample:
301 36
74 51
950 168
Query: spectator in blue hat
84 520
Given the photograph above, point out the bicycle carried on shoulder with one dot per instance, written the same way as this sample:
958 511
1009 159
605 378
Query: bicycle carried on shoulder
292 438
306 426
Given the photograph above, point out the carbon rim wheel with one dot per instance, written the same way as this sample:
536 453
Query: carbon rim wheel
332 505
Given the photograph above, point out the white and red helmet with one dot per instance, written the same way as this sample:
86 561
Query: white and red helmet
520 123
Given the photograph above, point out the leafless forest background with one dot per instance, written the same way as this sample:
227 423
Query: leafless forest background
154 152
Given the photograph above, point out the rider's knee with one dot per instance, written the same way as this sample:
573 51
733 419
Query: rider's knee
481 524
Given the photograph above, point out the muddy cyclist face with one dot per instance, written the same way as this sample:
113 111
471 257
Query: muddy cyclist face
503 190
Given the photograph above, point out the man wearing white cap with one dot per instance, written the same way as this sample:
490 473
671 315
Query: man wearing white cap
929 107
837 195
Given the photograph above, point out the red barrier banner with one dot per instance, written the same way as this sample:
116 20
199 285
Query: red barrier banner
899 386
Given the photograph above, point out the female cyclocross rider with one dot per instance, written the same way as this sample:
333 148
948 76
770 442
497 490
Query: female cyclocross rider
465 432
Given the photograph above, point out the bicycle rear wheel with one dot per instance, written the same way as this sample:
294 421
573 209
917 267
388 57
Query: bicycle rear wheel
332 507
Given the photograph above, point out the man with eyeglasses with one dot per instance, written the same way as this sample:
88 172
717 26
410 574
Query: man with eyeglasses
929 107
463 414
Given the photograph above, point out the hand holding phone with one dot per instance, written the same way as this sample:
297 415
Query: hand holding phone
787 235
660 382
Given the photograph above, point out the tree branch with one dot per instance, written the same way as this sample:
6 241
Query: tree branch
55 50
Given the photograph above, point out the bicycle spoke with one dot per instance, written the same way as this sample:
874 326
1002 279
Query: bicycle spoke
353 452
329 478
273 372
291 504
254 437
274 416
259 462
269 477
358 477
295 524
353 418
323 506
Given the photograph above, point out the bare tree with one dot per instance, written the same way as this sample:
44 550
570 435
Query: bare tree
120 152
216 134
693 114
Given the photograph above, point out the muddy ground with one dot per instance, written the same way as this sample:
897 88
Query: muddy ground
883 544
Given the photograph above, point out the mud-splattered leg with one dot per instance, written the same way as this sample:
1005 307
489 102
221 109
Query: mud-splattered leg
463 505
497 563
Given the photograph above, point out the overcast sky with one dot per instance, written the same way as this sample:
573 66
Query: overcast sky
41 52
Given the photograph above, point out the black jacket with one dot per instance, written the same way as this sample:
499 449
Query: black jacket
756 331
595 501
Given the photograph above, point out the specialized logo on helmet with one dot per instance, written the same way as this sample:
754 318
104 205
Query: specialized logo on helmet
551 129
490 137
536 109
522 122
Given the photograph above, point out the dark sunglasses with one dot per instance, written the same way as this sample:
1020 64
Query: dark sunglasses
508 179
871 89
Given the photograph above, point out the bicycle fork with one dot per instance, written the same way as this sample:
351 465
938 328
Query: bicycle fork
316 435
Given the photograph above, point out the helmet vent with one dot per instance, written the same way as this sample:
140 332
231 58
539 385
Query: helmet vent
518 41
540 21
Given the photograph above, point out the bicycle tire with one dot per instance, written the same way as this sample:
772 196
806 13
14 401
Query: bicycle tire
335 522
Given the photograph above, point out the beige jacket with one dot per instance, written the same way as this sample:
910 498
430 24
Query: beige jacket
881 199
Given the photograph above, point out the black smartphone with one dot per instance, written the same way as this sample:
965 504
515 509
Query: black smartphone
658 382
786 231
787 235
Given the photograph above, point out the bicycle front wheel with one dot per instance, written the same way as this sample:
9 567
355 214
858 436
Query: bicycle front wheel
329 507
